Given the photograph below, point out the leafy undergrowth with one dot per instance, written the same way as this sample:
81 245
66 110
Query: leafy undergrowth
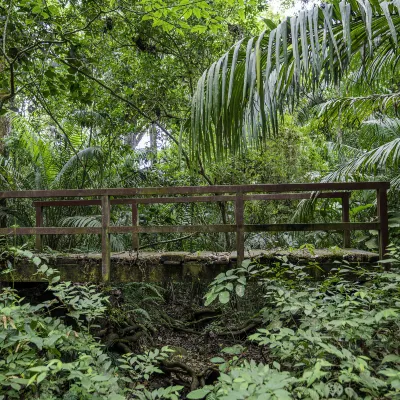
325 340
265 332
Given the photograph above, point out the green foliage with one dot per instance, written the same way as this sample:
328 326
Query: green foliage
228 284
142 304
82 83
141 366
43 357
238 99
249 381
81 301
332 339
92 81
171 392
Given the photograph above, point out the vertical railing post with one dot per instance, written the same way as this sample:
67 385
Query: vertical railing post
135 222
346 218
105 238
39 223
383 221
239 217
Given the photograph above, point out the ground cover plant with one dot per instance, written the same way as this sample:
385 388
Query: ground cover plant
307 339
47 357
338 338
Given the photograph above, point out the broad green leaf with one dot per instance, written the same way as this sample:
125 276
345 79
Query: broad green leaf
240 289
224 297
217 360
391 358
41 377
198 394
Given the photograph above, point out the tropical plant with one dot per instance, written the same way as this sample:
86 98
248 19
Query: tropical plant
337 338
379 154
239 98
44 357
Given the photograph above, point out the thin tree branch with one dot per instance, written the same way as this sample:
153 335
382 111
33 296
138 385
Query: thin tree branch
32 46
5 30
86 26
165 241
51 115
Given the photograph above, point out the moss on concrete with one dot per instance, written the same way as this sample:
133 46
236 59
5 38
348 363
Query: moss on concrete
175 266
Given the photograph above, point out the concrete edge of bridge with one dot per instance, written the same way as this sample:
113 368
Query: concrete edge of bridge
164 267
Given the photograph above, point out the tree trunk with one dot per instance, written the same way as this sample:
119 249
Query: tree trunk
5 129
153 143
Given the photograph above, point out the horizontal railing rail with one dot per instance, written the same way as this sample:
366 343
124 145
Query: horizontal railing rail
239 194
282 187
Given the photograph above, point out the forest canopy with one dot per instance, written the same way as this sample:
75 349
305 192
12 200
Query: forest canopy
222 92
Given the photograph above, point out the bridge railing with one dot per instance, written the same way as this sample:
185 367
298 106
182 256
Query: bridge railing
238 194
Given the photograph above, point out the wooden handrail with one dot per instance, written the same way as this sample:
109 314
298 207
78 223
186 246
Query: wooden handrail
282 187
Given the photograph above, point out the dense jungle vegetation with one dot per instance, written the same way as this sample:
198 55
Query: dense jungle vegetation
143 93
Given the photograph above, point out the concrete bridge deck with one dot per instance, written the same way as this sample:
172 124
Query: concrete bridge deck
172 266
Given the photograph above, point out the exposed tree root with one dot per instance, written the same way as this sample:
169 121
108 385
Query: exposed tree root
123 340
176 327
178 367
202 320
129 329
184 327
248 326
206 312
122 348
130 339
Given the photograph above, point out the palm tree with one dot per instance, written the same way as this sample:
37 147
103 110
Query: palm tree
239 99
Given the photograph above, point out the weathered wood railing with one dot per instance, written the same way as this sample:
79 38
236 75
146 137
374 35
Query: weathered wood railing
238 194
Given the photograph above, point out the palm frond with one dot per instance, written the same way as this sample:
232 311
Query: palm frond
382 157
238 100
343 150
87 154
78 221
40 153
381 130
92 221
11 178
360 108
304 210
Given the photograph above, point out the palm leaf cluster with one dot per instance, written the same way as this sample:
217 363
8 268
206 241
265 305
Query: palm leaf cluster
41 157
382 159
376 154
238 100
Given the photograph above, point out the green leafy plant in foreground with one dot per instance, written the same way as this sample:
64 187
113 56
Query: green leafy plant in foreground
333 339
41 357
228 284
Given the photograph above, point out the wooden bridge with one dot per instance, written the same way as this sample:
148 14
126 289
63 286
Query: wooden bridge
238 194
